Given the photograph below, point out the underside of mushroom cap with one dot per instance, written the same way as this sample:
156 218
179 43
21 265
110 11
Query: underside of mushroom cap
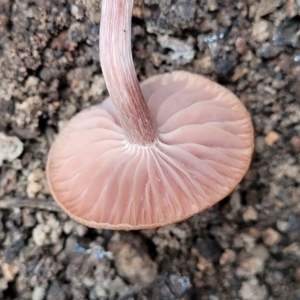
204 148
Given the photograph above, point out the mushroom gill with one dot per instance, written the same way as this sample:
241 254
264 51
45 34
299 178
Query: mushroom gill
149 155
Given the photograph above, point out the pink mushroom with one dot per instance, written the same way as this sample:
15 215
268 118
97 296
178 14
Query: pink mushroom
149 155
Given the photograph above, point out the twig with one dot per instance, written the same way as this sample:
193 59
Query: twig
43 204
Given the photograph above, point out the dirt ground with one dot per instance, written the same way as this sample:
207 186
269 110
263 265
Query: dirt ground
247 247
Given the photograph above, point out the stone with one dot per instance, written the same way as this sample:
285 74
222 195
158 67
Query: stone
261 31
268 50
292 250
267 6
223 62
36 175
229 256
179 284
288 34
28 111
31 83
297 274
80 230
250 214
3 284
9 271
68 111
253 262
271 138
235 201
47 233
55 292
294 221
132 261
10 148
109 287
38 293
252 290
33 188
17 164
76 12
182 53
241 46
271 237
203 65
39 235
209 249
98 86
212 5
239 73
179 232
163 287
295 141
99 291
68 226
8 181
282 226
203 264
248 241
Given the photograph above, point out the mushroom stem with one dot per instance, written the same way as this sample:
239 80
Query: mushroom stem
119 73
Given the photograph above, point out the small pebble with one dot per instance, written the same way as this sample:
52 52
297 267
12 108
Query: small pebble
9 271
229 256
295 141
3 284
250 214
132 262
241 46
203 264
253 262
36 175
182 53
292 250
297 274
271 138
209 249
10 148
38 293
282 226
267 6
33 188
271 237
251 290
261 31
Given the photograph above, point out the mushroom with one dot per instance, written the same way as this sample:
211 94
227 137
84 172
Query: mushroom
150 154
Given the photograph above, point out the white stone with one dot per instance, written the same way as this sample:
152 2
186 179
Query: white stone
10 148
182 52
98 86
38 293
39 235
251 290
36 175
282 226
33 188
3 284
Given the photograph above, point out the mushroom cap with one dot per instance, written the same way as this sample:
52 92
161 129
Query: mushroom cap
204 148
